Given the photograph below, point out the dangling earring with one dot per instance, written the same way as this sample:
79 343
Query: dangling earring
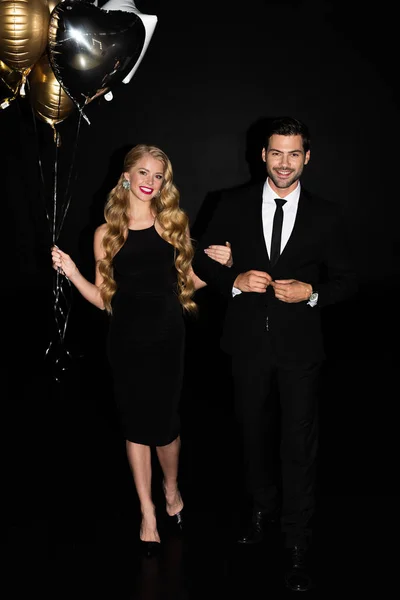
126 185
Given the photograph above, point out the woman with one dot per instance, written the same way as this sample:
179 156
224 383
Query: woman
145 282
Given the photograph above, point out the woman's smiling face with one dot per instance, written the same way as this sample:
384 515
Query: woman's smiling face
146 178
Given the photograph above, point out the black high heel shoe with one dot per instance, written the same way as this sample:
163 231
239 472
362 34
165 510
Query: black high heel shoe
149 549
177 520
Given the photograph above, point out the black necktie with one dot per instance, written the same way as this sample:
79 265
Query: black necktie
277 230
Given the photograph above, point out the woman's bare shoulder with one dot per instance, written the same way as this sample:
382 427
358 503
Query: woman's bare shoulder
100 231
101 228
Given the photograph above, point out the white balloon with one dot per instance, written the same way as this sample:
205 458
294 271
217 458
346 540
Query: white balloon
149 23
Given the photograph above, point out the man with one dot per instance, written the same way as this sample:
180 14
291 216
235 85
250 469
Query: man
282 275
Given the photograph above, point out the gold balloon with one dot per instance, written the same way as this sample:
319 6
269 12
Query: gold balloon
24 27
10 81
50 103
53 3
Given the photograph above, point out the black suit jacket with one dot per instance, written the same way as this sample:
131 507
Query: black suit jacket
317 252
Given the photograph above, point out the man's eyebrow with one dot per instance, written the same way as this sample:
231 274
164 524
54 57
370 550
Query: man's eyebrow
284 152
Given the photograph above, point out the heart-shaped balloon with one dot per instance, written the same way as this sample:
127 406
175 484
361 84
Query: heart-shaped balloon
52 3
91 50
149 22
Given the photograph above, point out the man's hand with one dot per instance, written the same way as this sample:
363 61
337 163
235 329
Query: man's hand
253 281
291 290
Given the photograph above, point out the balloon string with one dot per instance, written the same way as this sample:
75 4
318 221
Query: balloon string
81 113
62 303
61 300
61 318
55 173
41 174
7 101
54 227
68 195
61 311
19 90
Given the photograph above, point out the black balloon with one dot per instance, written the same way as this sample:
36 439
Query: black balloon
90 49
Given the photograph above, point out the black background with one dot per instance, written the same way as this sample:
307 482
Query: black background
211 74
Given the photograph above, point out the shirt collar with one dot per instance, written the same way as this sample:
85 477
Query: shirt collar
292 199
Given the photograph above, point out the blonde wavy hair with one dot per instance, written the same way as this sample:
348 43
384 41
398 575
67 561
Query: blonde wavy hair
173 220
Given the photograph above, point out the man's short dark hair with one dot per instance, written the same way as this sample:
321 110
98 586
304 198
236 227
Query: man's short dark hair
288 126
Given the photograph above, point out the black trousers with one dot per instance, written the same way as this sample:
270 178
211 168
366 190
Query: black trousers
297 390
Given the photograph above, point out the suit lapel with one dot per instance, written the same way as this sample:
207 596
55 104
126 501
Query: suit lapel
255 225
300 228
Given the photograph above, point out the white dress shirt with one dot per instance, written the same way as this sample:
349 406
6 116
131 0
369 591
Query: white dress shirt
268 211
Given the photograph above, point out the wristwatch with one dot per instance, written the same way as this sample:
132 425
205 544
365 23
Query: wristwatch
313 299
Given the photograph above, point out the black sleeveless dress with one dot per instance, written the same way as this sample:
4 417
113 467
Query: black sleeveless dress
146 339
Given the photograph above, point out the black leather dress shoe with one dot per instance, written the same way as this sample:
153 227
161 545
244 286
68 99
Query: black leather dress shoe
297 576
255 532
